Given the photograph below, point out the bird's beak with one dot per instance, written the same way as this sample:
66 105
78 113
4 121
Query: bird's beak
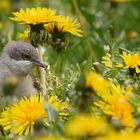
38 63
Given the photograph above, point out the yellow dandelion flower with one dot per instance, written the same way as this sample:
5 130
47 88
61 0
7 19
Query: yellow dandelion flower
83 125
132 61
91 77
35 16
61 107
68 25
107 60
115 99
21 116
119 109
50 137
122 136
25 35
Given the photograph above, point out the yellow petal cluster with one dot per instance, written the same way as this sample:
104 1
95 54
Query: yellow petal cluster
107 60
61 107
83 125
122 136
21 116
35 16
114 99
50 137
67 25
132 61
25 35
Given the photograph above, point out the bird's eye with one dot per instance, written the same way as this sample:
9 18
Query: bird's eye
26 57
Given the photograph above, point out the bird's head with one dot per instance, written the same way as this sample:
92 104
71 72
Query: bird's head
20 57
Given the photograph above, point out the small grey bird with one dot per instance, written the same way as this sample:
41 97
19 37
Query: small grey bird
17 61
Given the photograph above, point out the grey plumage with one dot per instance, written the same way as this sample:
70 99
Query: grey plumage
17 60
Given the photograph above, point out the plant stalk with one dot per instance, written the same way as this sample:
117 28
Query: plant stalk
42 74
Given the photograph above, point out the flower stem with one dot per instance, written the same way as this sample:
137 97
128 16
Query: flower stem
81 18
42 73
58 64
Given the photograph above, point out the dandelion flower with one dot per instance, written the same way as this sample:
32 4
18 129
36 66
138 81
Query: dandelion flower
50 137
122 136
35 16
114 99
119 109
68 25
21 116
132 61
83 125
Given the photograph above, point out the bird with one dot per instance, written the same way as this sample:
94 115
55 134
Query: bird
17 60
